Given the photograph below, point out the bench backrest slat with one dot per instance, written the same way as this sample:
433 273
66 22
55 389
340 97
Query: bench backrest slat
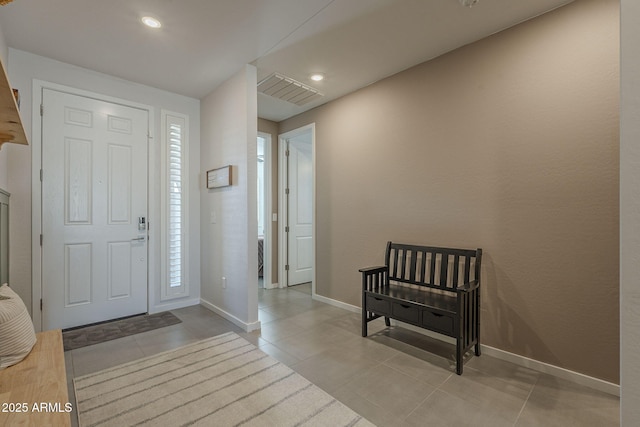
412 267
432 270
395 264
433 267
456 267
467 270
444 265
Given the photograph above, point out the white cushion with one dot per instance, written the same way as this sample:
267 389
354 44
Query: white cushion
17 336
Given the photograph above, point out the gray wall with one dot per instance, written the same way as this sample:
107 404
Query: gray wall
229 226
510 144
629 218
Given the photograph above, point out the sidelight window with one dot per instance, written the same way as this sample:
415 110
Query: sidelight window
174 233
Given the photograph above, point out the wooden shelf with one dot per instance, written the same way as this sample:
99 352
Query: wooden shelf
11 129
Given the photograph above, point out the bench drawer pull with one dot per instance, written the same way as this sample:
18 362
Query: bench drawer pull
406 313
438 322
378 305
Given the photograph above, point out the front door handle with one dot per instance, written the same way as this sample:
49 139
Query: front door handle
139 239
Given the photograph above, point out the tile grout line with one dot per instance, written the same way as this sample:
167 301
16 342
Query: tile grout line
421 381
526 401
346 387
420 404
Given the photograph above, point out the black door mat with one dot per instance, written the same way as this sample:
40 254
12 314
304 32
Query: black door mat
106 331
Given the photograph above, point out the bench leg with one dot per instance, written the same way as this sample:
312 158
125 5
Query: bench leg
459 356
387 322
364 322
477 349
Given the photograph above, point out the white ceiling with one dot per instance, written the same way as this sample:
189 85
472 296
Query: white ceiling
203 42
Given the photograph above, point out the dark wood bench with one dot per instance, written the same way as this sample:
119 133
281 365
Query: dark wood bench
433 288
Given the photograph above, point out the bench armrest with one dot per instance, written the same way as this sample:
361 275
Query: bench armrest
373 270
467 287
373 278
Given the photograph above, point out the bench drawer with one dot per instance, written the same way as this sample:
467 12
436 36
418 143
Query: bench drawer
378 305
438 322
406 312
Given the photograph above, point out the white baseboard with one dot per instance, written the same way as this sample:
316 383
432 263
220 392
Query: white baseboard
576 377
536 365
174 305
248 327
272 286
336 303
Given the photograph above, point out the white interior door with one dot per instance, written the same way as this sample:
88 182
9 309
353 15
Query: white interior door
300 215
94 192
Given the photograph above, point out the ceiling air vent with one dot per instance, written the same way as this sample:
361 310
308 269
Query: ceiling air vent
287 89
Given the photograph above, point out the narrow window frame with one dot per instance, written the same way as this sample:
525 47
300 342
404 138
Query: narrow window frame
170 290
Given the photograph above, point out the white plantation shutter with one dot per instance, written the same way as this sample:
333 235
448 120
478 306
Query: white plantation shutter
174 284
175 205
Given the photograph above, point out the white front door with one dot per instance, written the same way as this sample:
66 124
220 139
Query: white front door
300 215
94 195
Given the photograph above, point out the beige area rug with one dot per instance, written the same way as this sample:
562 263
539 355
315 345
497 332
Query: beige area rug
221 381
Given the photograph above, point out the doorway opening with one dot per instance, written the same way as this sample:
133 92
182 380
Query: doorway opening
265 279
297 207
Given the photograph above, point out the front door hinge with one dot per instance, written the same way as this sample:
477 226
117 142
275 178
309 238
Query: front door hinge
286 267
286 191
40 304
286 229
286 153
41 240
41 109
40 175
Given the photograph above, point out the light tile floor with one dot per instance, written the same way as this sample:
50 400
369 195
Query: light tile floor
390 378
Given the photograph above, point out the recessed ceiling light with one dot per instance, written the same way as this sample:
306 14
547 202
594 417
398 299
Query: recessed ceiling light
317 77
151 22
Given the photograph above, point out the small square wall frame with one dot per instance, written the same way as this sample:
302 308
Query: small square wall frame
220 177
